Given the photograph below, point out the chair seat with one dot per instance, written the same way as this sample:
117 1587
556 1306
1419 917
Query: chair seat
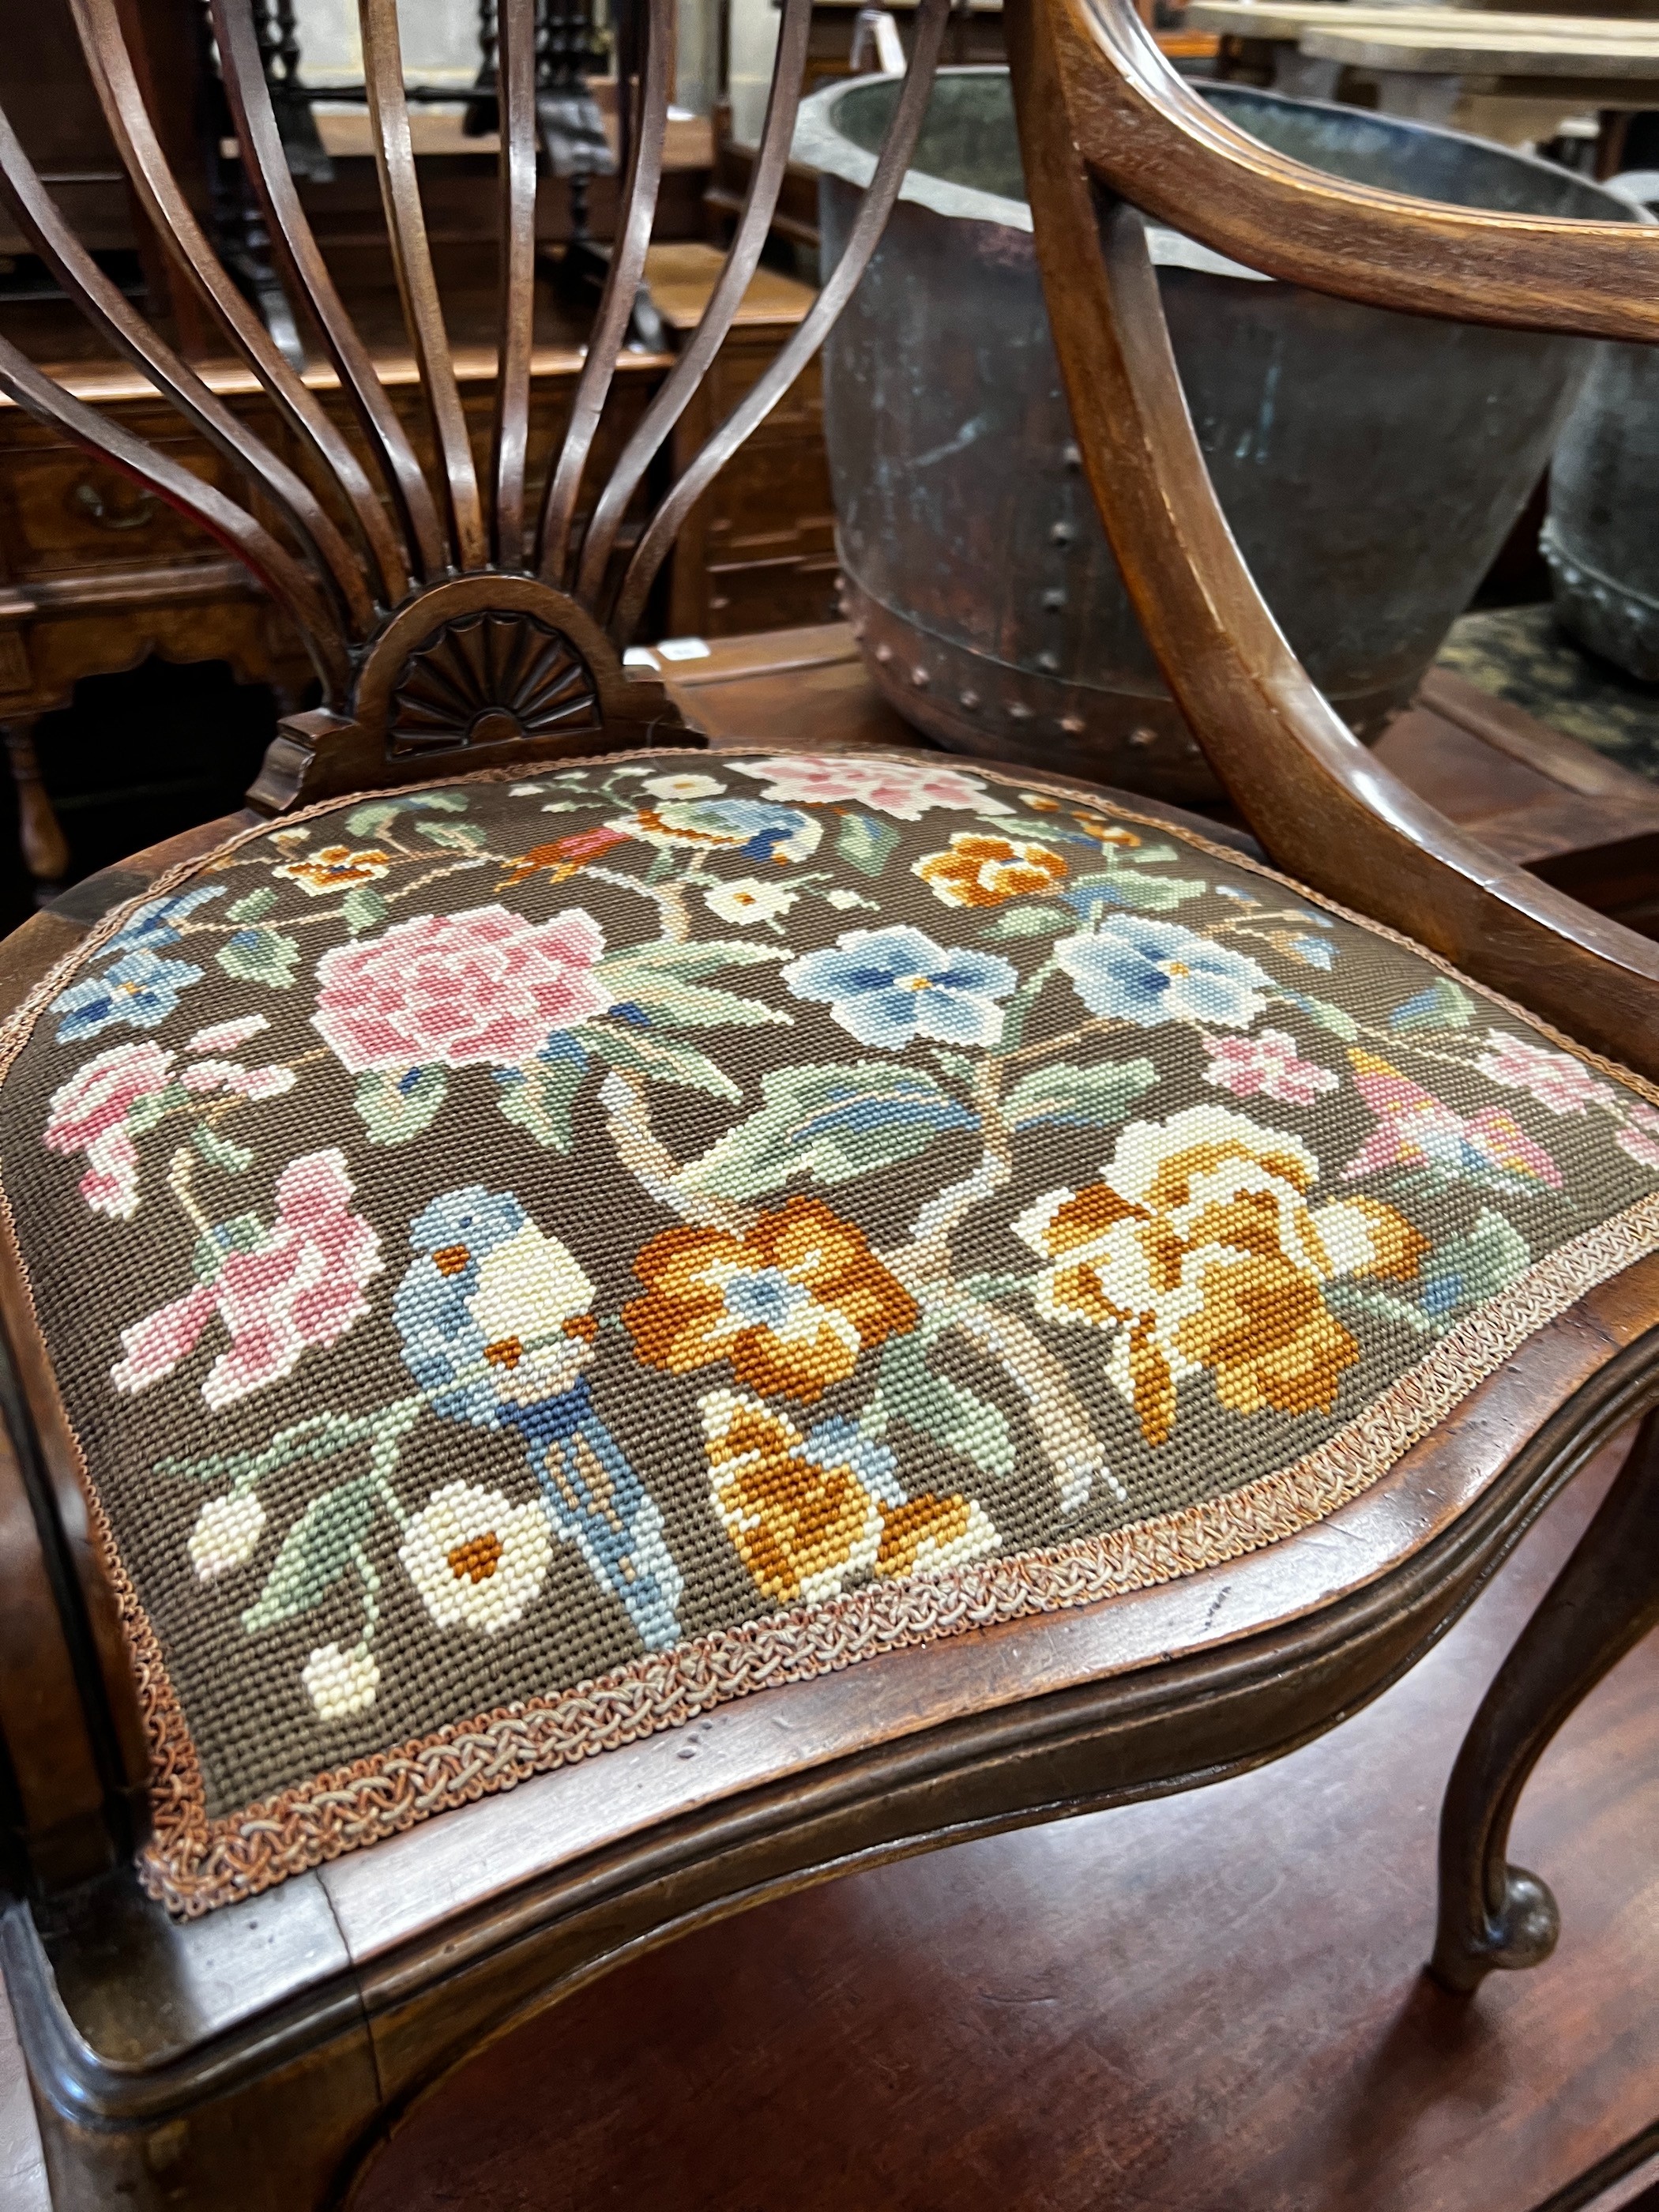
528 1259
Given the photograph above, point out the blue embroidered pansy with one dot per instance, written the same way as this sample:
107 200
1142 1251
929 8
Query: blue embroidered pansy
1151 972
888 986
157 922
138 992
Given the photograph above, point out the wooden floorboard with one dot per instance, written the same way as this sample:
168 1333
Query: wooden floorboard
1209 2003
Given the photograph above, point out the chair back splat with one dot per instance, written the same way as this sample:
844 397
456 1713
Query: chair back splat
1107 129
449 626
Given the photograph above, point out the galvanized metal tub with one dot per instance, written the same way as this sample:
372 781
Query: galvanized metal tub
1371 464
1599 538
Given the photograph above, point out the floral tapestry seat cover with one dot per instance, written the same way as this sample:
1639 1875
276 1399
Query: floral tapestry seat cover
528 1258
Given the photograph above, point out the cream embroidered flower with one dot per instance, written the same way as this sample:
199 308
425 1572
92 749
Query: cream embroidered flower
226 1535
340 1683
748 900
682 787
476 1559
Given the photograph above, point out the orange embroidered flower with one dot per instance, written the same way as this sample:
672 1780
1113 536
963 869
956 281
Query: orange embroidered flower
1107 833
1198 1250
792 1304
980 871
806 1512
563 856
335 868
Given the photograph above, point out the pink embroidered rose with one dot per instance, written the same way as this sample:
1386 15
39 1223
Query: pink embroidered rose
453 989
89 1115
1269 1063
229 1036
1632 1139
302 1286
904 789
1555 1080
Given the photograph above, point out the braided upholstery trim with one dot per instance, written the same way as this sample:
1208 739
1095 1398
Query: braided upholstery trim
193 1864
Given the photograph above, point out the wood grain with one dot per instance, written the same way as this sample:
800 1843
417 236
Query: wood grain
1150 137
417 285
515 53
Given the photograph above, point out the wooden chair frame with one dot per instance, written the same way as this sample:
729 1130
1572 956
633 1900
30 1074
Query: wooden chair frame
258 2056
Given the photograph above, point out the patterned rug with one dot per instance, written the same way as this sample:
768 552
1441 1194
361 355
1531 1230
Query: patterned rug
528 1259
1523 655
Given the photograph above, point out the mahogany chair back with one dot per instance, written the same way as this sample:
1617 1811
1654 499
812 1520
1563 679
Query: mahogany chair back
1109 132
449 624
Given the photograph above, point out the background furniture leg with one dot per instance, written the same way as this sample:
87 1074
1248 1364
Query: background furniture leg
1602 1602
45 847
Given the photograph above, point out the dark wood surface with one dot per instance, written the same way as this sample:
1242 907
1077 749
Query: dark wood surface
1205 2003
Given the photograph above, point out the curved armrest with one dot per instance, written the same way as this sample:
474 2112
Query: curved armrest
1325 810
1142 131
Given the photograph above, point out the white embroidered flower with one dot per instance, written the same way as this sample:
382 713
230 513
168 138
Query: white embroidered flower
748 899
844 901
475 1557
682 787
340 1683
226 1535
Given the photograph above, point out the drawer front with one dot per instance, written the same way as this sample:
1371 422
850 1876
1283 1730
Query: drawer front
65 511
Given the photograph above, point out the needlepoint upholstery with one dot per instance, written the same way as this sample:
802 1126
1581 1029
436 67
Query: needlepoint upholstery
528 1258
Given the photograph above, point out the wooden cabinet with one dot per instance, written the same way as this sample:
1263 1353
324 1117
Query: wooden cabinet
96 575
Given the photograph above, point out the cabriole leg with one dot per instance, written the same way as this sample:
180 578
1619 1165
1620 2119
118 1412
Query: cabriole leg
1602 1602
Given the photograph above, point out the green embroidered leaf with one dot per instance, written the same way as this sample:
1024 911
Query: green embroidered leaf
254 908
642 1053
260 955
144 1113
380 814
954 1063
455 837
1029 922
865 842
688 962
695 1006
1147 856
233 1158
1441 1006
658 977
958 1419
394 1109
1079 1097
831 1122
661 867
1146 894
316 1552
1467 1271
1337 1019
542 1102
364 909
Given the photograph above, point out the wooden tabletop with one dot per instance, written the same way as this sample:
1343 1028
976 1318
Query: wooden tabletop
1444 42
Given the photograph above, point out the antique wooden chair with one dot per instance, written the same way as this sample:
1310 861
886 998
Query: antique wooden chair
809 1307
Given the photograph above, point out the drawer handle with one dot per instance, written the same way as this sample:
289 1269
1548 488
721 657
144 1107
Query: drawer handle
138 516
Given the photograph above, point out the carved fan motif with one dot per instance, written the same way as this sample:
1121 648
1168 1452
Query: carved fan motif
490 680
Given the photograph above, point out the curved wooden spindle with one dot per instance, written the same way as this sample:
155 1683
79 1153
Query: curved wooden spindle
116 83
622 284
412 257
742 260
108 309
309 282
515 37
104 438
1148 135
931 18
